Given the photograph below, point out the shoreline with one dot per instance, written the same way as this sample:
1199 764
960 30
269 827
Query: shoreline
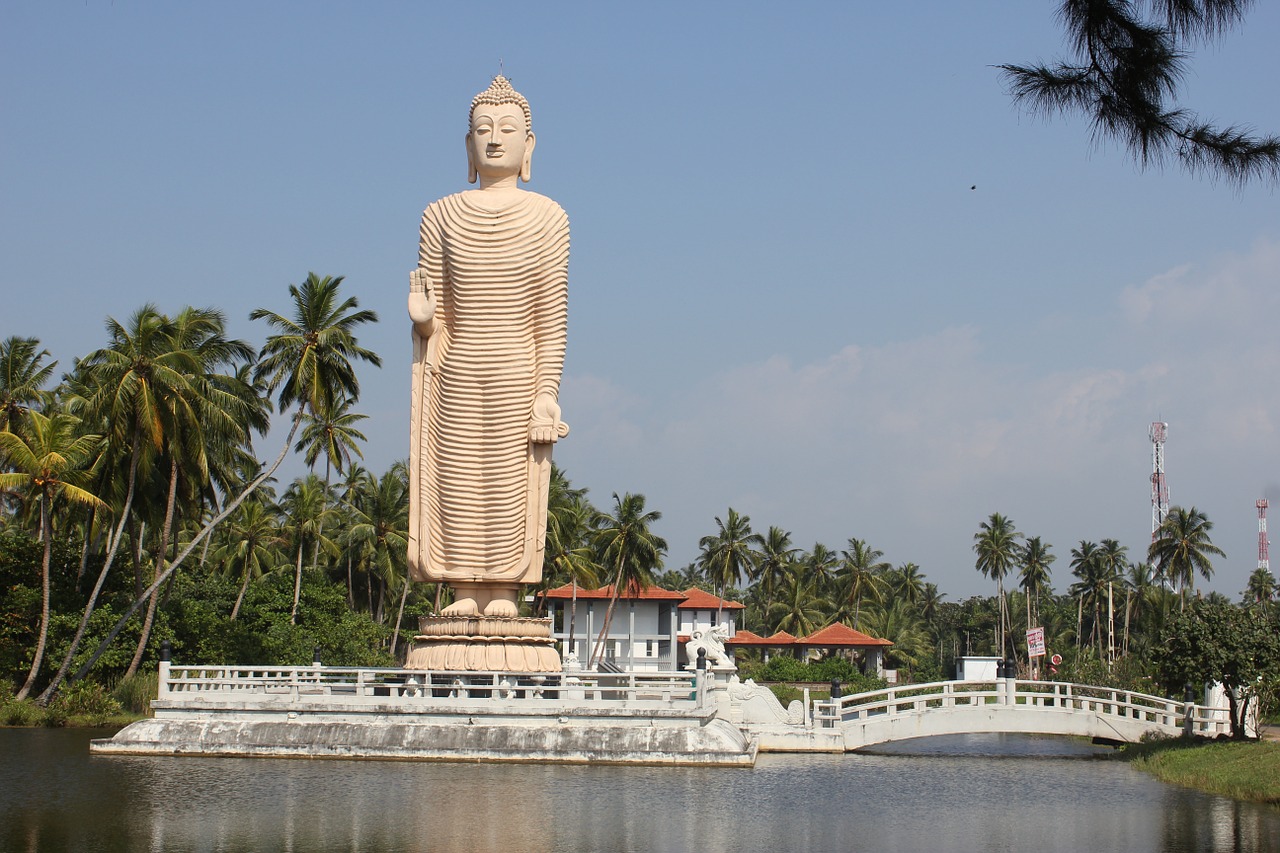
1242 770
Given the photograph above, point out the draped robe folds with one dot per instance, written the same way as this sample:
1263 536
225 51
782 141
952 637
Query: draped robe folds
478 485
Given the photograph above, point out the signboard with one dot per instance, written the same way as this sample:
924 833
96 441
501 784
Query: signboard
1035 642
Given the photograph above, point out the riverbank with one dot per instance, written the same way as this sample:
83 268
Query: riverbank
1244 770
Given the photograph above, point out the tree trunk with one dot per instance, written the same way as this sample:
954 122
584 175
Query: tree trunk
297 584
161 552
113 547
597 653
46 530
244 587
573 615
195 543
395 635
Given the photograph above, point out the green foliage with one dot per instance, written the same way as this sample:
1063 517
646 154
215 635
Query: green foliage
88 701
787 669
135 692
1218 641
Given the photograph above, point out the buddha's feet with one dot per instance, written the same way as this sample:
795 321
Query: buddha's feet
502 606
462 607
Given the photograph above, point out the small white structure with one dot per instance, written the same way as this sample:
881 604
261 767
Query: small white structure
976 668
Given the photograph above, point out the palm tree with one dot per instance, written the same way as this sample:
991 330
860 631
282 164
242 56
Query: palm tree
628 550
996 544
728 555
898 622
332 434
859 573
1111 556
1182 548
23 375
310 362
251 539
822 563
1087 565
569 554
309 359
800 609
1261 588
1036 558
306 506
776 558
382 524
49 461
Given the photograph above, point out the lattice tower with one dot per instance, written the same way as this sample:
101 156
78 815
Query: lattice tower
1264 560
1159 488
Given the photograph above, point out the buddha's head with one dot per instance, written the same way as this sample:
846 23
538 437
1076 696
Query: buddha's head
500 139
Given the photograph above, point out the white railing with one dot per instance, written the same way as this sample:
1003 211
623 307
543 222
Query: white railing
355 685
941 696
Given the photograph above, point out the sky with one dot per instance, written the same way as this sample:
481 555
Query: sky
824 271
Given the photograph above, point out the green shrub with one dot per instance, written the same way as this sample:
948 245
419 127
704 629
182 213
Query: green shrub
19 713
86 700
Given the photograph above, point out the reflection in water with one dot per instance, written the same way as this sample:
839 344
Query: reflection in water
935 794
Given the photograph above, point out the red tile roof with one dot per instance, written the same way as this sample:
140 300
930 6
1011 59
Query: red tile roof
648 593
746 638
697 599
839 635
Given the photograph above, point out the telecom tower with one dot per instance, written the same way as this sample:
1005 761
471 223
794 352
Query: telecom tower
1264 561
1159 488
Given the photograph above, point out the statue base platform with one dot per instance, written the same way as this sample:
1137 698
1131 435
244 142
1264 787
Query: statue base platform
483 644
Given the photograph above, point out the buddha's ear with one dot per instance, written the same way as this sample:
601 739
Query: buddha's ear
526 165
472 174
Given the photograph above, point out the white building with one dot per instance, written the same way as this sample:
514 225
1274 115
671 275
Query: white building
649 627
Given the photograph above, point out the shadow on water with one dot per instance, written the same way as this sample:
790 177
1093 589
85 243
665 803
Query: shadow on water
941 794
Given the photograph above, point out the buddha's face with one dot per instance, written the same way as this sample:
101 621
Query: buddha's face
498 141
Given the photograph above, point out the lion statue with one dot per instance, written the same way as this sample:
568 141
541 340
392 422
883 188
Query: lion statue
713 642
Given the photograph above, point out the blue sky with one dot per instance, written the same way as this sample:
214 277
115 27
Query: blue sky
785 296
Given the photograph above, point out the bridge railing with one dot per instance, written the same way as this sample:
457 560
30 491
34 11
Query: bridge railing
358 686
1066 696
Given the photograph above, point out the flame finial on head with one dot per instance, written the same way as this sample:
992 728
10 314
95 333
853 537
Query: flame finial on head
500 92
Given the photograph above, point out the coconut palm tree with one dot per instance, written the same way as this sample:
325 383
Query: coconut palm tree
569 555
1090 589
381 523
1035 558
1261 588
331 434
859 576
252 537
996 544
628 550
776 557
23 374
728 555
49 463
801 608
309 360
305 505
1182 548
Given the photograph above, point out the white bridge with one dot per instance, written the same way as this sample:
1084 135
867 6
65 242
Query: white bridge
1005 705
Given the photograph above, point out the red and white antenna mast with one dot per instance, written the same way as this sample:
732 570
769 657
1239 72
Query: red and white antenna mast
1159 488
1264 561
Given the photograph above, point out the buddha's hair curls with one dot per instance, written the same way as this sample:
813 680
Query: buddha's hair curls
498 93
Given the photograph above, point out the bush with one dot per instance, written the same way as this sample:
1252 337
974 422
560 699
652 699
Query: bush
15 713
87 701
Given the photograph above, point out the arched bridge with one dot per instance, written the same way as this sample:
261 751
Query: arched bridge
1006 705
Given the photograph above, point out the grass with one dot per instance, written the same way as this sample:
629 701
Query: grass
1245 770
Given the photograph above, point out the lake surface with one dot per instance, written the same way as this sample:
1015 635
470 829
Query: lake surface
968 793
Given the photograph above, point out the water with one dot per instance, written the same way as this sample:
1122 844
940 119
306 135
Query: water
967 793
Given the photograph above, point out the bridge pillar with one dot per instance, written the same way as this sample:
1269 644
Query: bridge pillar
1011 682
1188 711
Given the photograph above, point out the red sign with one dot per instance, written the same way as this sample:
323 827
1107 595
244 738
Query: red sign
1035 642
